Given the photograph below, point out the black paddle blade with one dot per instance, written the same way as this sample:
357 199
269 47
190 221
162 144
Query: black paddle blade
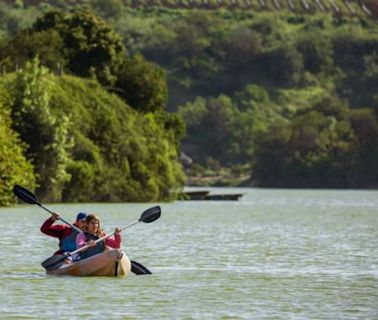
25 195
151 214
138 268
54 262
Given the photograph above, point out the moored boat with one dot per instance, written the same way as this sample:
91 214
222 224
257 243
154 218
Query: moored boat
110 263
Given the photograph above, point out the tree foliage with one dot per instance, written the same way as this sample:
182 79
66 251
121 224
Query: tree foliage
292 95
91 46
315 149
142 84
46 134
46 45
14 166
233 123
87 144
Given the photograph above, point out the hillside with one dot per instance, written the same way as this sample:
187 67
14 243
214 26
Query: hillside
337 7
287 97
86 144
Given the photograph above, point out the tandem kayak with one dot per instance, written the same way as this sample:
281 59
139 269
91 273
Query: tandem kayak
110 263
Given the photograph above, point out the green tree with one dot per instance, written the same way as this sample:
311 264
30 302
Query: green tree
283 64
46 45
317 51
119 154
244 45
315 149
365 126
14 167
257 112
357 84
216 114
142 85
92 47
109 8
46 134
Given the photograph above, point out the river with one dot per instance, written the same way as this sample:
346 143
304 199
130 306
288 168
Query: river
274 254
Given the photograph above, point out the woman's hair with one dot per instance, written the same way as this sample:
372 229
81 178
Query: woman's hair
91 217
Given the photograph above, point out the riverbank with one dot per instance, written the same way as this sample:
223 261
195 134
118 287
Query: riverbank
219 177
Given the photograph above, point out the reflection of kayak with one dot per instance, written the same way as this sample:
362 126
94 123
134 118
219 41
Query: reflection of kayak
111 263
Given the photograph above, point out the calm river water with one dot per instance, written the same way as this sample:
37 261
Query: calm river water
274 254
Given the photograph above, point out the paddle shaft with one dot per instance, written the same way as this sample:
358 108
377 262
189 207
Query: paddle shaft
29 197
101 239
60 218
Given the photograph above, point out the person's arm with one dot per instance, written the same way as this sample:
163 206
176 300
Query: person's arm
57 231
114 241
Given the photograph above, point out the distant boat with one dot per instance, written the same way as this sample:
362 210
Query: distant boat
205 195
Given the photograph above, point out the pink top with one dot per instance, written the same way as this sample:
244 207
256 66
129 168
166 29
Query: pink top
113 241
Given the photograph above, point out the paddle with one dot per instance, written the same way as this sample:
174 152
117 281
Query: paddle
147 216
28 197
138 268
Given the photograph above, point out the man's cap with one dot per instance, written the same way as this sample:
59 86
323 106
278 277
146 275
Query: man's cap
81 216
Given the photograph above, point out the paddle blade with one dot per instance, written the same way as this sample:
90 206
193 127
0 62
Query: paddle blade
150 214
53 262
138 268
25 195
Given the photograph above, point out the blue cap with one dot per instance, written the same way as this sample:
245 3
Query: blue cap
81 216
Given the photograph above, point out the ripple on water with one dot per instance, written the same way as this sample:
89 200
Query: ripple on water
23 275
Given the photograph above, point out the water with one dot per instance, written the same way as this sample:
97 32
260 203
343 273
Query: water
275 254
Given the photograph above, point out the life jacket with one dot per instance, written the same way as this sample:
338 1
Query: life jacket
69 243
100 246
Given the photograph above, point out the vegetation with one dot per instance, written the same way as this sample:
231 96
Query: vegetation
82 138
14 167
288 97
86 143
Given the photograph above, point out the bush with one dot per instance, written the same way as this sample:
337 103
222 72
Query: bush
142 85
14 167
45 133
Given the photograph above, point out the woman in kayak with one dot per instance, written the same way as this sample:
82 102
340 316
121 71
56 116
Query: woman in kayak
92 233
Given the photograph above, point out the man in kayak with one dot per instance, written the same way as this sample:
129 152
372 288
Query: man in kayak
66 234
93 232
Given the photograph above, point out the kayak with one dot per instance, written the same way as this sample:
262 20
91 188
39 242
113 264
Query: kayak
110 263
